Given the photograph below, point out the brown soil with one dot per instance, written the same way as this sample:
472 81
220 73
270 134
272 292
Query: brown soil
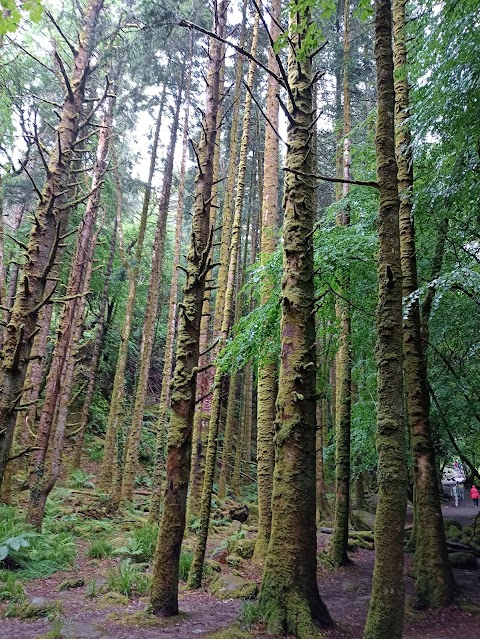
346 592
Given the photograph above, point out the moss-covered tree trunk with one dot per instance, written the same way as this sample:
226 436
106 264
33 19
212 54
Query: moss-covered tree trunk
164 403
116 412
206 378
339 545
164 591
434 585
385 615
49 216
148 334
268 368
230 425
195 576
289 595
100 330
53 419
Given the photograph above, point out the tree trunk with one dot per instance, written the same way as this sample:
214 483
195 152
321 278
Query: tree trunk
51 212
95 357
206 378
385 615
164 404
148 334
164 590
268 369
435 584
116 416
289 596
195 576
343 375
52 423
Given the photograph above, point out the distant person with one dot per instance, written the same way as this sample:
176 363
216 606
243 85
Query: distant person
474 494
455 494
461 490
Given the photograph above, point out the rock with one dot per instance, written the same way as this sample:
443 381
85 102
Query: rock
452 532
452 522
212 566
233 560
242 547
80 630
40 601
113 599
363 520
462 560
70 584
233 587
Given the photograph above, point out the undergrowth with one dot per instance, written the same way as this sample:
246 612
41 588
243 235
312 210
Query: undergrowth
140 546
29 553
127 579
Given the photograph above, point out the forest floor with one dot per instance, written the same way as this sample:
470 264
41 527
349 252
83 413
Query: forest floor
346 592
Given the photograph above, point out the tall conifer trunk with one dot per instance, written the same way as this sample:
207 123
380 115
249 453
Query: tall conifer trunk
206 378
434 585
164 404
50 214
385 615
115 416
267 369
95 357
195 576
164 591
344 356
148 334
52 423
289 596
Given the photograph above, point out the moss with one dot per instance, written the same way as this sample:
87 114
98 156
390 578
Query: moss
28 610
462 560
234 560
453 533
233 587
242 547
113 599
231 632
70 584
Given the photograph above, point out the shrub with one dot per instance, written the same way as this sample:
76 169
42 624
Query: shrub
79 478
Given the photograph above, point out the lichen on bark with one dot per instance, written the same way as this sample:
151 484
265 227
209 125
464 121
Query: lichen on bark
289 594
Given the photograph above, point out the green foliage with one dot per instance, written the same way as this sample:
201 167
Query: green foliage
100 548
32 554
11 588
127 579
141 546
185 563
11 14
26 610
79 478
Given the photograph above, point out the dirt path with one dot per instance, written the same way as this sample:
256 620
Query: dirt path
346 593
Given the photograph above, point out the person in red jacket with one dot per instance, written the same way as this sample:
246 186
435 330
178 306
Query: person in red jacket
474 494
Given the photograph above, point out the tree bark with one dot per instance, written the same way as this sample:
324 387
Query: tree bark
435 584
268 369
206 378
385 615
195 576
95 357
343 375
289 596
115 417
52 423
164 404
148 334
51 212
164 590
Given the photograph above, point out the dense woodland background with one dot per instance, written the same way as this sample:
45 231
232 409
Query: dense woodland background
239 275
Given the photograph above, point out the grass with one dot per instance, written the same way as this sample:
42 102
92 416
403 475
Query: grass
11 588
100 548
185 563
141 545
127 579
